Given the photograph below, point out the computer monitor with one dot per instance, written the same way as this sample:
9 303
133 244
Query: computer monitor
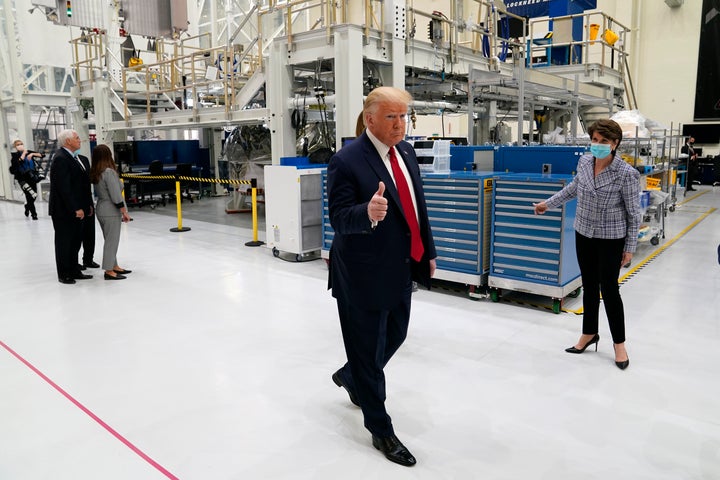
124 153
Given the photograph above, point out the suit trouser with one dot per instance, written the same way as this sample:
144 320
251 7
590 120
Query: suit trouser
371 338
68 236
599 260
30 191
110 227
88 239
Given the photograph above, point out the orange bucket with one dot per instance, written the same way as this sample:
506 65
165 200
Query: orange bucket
594 29
610 37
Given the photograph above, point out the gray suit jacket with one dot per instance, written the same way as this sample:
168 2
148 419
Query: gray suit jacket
109 194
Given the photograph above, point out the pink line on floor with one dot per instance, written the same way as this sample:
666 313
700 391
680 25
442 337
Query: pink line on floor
82 407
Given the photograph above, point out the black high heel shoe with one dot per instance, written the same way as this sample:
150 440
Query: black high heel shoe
594 340
622 365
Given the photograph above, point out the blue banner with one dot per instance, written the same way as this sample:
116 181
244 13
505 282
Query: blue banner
529 8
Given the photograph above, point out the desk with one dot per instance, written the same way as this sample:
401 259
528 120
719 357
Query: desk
136 190
706 173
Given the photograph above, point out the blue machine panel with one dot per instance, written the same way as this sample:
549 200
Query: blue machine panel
531 159
462 157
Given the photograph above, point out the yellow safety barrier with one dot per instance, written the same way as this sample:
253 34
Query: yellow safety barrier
178 197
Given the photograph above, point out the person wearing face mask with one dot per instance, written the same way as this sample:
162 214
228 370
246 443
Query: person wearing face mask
606 232
22 165
70 202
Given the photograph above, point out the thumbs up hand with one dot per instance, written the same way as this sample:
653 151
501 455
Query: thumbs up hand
378 205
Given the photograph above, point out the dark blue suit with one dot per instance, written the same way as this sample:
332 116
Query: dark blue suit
69 191
371 271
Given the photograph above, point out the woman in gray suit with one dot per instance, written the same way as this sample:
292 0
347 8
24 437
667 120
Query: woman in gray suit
110 210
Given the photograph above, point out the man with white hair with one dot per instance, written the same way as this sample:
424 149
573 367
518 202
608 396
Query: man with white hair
70 202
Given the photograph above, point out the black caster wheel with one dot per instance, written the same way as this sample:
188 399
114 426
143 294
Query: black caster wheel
575 293
672 208
276 252
298 258
654 240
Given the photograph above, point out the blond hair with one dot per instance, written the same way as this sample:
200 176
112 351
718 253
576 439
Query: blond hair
385 94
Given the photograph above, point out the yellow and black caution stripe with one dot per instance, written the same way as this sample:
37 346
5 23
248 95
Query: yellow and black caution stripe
644 262
226 181
184 178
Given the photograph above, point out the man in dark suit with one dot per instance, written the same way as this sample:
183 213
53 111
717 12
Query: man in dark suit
88 239
70 202
689 149
382 243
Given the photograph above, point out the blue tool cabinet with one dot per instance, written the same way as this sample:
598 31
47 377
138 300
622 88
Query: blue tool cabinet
532 253
459 210
327 231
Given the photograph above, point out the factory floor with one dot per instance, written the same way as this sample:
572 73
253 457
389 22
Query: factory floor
212 361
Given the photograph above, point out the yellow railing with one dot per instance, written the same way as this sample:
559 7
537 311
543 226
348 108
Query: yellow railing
603 42
88 53
195 79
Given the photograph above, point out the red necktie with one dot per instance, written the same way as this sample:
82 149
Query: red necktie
416 245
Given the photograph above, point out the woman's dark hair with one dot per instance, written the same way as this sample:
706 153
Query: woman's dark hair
102 159
608 129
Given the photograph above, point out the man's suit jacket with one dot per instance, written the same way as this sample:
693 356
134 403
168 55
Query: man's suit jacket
69 186
369 267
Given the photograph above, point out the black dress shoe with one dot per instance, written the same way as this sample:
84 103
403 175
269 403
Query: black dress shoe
81 266
339 382
122 271
81 276
595 339
66 280
394 450
90 264
27 210
117 276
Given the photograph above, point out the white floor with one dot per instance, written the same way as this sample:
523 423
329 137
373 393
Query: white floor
213 361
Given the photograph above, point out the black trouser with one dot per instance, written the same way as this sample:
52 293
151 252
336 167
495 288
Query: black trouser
690 174
68 236
88 239
371 338
30 191
599 261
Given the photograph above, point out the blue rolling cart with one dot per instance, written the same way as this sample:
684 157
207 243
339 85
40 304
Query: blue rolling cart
459 210
532 253
327 231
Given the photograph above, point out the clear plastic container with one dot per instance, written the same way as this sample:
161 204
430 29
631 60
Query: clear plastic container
441 148
441 163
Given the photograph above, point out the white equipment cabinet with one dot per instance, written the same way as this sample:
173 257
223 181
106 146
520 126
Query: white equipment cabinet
293 209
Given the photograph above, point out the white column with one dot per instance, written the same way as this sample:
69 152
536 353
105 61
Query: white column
348 82
279 89
103 113
5 178
396 16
